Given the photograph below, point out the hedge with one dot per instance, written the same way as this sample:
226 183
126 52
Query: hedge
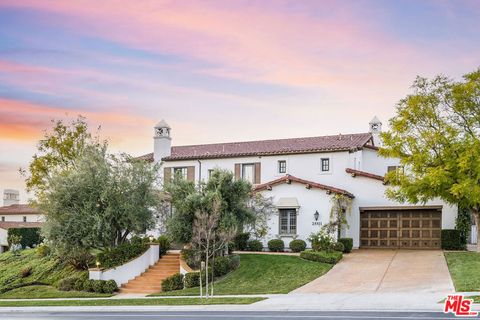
347 243
174 282
452 240
30 236
114 257
322 256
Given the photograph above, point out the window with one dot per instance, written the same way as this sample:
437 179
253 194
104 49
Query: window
24 219
210 172
248 172
394 168
3 219
282 166
325 165
288 221
181 171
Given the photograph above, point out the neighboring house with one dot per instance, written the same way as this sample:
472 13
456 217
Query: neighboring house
301 174
17 216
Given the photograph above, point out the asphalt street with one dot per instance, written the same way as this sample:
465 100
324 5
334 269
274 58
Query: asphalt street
237 315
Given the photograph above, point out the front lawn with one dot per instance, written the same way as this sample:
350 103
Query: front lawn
44 292
464 268
261 274
130 302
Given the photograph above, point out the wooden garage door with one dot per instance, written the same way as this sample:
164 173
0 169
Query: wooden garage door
412 229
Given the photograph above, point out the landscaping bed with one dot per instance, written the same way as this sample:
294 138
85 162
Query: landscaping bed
464 268
263 274
131 302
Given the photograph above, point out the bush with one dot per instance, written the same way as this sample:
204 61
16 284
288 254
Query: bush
98 286
241 241
88 285
30 236
164 245
174 282
43 250
276 245
255 245
297 245
338 246
452 240
192 279
110 286
80 259
234 262
322 256
221 266
25 272
189 256
321 241
347 244
114 257
79 285
67 284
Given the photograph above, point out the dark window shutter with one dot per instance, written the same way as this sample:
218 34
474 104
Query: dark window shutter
258 173
167 175
237 171
191 173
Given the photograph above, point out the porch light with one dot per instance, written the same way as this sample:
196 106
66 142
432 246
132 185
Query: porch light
316 215
150 238
97 263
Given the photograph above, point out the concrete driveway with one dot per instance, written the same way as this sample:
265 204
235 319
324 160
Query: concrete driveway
386 271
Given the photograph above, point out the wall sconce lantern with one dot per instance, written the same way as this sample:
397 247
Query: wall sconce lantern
151 238
98 264
316 215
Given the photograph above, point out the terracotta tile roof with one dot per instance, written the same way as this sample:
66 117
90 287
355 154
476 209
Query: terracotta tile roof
354 173
18 209
309 184
15 224
268 147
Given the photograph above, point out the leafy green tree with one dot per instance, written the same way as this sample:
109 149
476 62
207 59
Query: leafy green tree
341 206
187 199
436 135
57 152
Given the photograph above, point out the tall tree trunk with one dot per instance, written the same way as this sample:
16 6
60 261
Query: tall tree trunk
476 216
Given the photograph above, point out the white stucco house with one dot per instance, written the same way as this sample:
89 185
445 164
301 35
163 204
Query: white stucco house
301 174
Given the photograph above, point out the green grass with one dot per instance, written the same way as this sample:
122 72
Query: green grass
44 292
464 268
45 270
261 273
476 299
130 302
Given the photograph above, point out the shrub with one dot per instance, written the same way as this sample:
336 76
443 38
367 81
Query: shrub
231 247
255 245
88 285
80 259
67 284
321 241
79 285
276 245
192 279
452 240
297 245
164 244
110 286
241 241
190 257
221 266
114 257
174 282
30 237
338 246
43 250
347 243
25 272
98 286
322 256
234 262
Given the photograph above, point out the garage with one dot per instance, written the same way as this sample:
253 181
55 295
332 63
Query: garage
401 227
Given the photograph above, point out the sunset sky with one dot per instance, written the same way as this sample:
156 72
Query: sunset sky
218 70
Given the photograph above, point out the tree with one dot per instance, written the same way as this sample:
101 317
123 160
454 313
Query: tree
57 152
263 209
99 202
436 135
341 206
187 199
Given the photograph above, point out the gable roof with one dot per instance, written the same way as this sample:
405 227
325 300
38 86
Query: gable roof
15 224
18 209
339 142
308 184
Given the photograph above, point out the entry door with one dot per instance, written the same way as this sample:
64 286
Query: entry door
408 229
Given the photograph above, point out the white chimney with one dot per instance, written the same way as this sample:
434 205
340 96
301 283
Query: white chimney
10 197
375 128
162 142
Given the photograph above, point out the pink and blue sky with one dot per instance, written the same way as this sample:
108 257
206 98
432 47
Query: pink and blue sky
218 70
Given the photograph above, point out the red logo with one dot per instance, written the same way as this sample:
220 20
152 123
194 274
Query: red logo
459 306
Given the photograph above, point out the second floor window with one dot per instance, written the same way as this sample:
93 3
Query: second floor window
24 219
248 172
282 166
3 219
325 165
182 172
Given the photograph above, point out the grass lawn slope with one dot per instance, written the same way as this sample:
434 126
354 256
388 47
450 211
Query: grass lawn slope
262 273
464 268
130 302
45 271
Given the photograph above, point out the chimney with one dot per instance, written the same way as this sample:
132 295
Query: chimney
375 128
10 197
162 142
